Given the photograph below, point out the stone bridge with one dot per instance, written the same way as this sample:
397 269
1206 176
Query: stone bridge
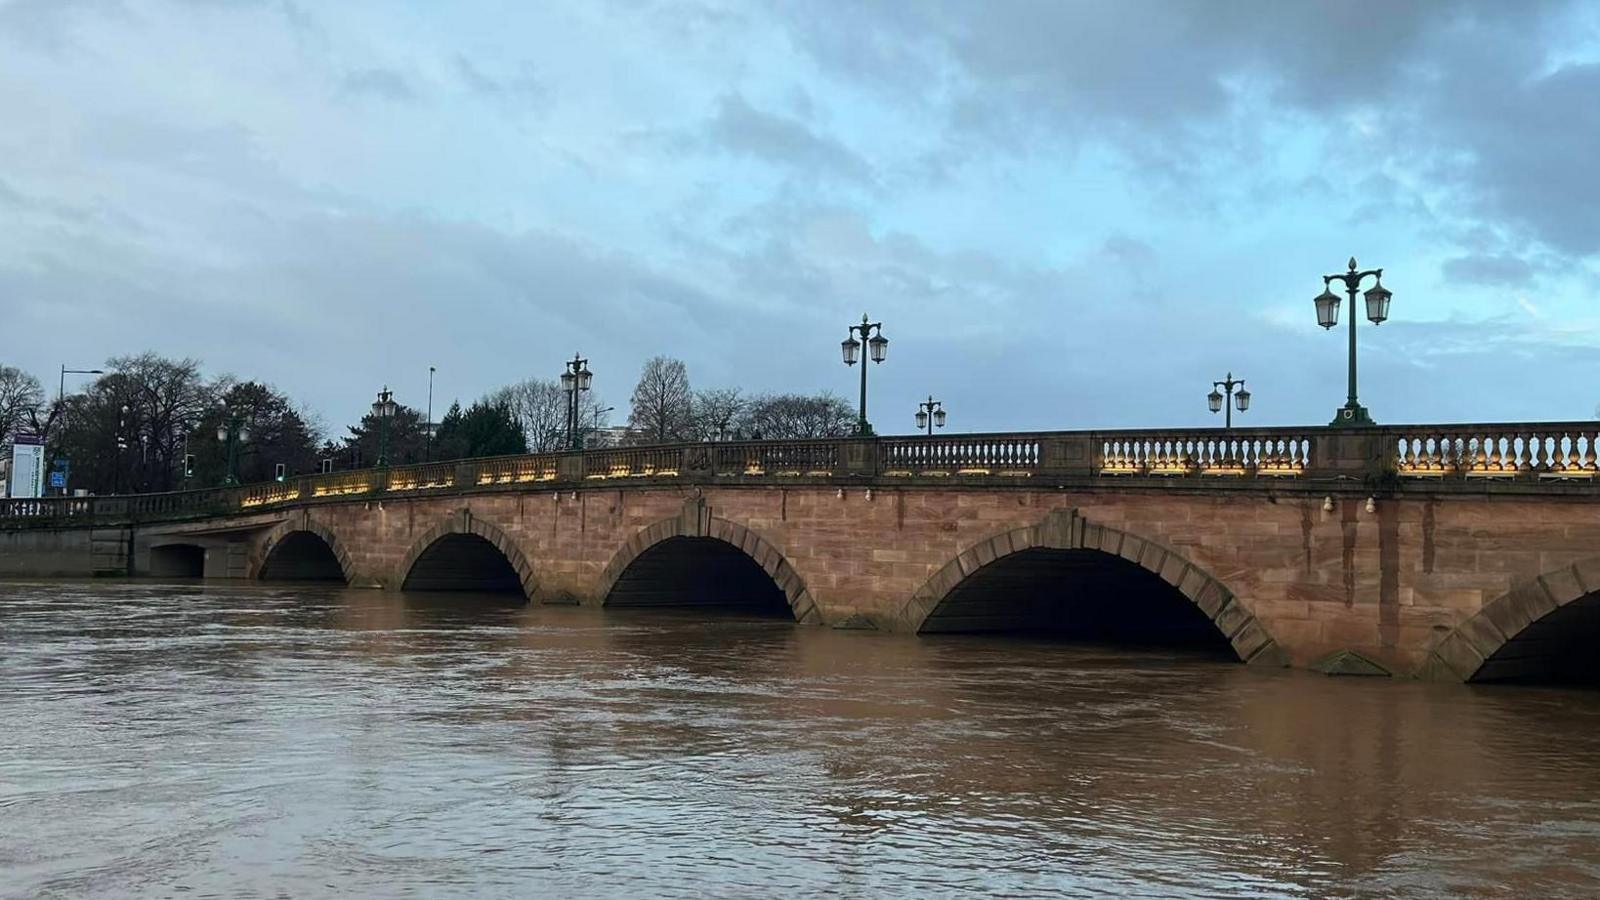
1443 552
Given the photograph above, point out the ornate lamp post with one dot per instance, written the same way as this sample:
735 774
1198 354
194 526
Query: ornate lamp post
877 348
930 415
232 432
1218 402
383 409
575 380
1353 413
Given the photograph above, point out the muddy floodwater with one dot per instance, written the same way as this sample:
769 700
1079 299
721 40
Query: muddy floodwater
245 741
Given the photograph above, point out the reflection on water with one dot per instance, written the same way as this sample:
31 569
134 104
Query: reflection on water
251 742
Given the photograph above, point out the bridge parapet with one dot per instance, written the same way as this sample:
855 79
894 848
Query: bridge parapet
1553 457
1545 451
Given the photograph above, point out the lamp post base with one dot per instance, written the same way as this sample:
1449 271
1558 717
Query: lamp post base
864 429
1351 415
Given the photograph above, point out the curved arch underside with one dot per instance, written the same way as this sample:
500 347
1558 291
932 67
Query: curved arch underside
1076 595
178 561
302 556
1559 647
460 561
701 572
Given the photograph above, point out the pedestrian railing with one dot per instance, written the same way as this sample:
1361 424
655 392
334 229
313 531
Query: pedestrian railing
1560 451
1264 452
1552 454
977 454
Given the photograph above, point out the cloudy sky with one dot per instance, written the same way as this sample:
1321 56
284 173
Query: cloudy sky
1068 214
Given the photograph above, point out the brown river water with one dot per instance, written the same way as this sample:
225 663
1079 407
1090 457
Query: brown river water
246 741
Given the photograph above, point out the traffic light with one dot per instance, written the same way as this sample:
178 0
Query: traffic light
280 471
188 465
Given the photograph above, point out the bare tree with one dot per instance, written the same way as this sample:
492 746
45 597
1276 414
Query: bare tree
540 408
663 405
166 398
718 413
786 416
21 399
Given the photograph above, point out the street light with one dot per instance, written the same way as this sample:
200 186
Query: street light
575 380
877 348
428 454
930 415
1327 302
232 431
594 427
61 389
61 394
1218 402
383 409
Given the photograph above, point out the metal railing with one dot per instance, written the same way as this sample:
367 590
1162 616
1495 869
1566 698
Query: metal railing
1552 454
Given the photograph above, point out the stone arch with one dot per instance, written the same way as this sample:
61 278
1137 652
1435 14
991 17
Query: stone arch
178 558
464 522
1479 648
1066 530
696 521
283 530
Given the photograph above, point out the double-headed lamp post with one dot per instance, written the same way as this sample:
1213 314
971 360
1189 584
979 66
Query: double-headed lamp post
1353 413
575 380
877 348
231 432
930 415
1235 395
383 409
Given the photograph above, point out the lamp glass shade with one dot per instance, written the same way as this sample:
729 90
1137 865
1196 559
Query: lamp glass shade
244 433
922 418
851 349
1214 400
584 378
1378 303
938 418
1241 399
1327 308
568 380
222 432
878 347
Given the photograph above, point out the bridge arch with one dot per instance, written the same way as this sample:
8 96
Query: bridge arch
302 551
1064 543
466 553
714 542
178 558
1543 629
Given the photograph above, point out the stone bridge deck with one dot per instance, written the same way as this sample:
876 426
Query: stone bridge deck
1447 552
